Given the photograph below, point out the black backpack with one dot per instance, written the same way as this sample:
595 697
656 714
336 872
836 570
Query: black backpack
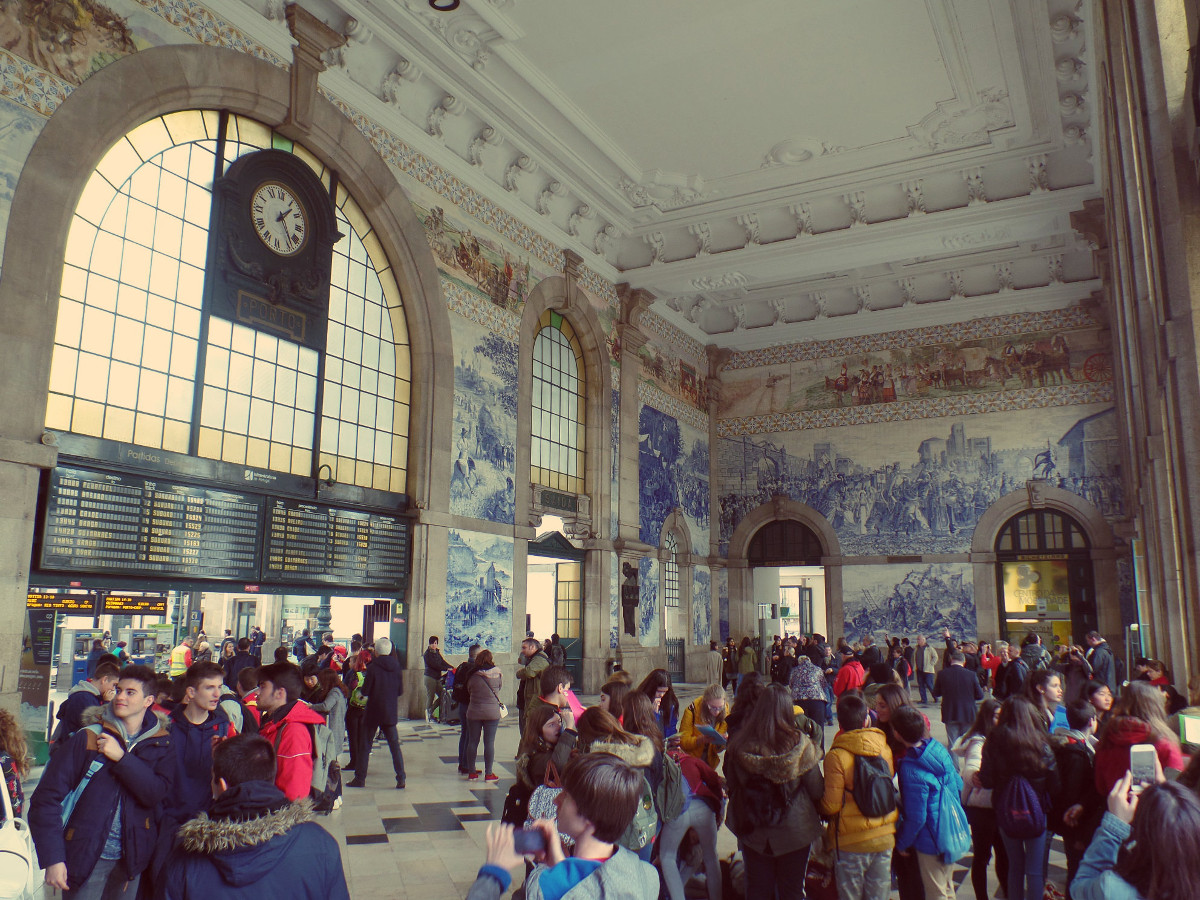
874 791
516 804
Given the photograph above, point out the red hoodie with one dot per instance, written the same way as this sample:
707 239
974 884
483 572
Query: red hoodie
1112 756
293 748
850 677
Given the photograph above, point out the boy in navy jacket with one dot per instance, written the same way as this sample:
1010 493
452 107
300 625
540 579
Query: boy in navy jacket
123 758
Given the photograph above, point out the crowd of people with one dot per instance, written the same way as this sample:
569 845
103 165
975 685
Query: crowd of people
209 781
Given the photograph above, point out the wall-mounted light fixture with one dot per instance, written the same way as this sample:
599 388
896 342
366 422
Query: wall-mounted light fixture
444 5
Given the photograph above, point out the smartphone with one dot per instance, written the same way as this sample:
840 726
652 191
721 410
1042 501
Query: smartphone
1141 763
528 840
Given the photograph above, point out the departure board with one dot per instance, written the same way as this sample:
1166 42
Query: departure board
312 543
80 602
105 522
136 604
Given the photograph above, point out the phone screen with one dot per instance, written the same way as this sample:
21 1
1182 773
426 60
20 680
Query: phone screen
1141 763
528 840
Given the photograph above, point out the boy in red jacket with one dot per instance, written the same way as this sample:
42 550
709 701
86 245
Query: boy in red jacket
284 723
850 676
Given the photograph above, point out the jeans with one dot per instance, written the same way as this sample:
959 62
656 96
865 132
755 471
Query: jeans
462 741
486 727
955 730
925 683
935 876
105 883
354 727
864 876
1026 866
698 815
984 837
364 750
780 877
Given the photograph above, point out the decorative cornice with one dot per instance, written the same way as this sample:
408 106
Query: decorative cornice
651 395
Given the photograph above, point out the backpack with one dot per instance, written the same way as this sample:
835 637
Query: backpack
320 735
461 676
766 804
1019 811
670 797
874 790
953 838
516 804
644 827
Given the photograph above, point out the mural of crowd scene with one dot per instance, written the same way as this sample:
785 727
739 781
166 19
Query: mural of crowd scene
909 600
1009 362
649 628
920 486
479 582
614 601
673 466
660 367
485 424
701 606
721 586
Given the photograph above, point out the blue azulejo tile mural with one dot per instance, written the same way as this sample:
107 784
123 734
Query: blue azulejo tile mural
908 600
673 470
614 600
485 424
721 585
701 606
479 569
649 625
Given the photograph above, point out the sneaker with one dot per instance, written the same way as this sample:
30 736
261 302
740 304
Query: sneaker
474 776
427 722
492 777
356 783
337 802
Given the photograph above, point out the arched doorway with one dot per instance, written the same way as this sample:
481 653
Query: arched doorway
777 552
1045 581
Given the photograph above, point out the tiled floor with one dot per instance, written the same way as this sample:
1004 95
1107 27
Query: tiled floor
427 841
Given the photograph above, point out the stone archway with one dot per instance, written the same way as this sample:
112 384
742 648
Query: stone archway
1104 554
741 589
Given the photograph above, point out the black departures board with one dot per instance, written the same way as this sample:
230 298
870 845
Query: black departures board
110 523
311 543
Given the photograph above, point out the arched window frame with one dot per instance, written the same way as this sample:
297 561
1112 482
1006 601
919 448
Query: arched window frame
558 457
671 570
351 449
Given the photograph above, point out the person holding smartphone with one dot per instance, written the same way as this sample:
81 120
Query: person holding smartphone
599 797
1138 717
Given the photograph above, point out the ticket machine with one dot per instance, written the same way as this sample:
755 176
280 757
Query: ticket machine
74 647
141 644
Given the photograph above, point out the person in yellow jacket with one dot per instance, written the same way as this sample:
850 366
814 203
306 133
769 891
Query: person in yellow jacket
864 845
181 658
710 708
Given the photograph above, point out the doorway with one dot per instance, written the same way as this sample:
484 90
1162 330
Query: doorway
555 595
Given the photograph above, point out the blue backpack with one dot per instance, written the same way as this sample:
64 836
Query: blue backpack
1019 810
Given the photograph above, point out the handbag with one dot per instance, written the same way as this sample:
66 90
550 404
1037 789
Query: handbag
17 863
503 706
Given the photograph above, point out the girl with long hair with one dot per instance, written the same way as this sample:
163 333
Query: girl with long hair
774 784
599 732
749 690
1100 695
977 801
1044 689
888 699
331 698
14 761
612 698
546 745
1020 747
1147 846
1138 717
710 709
657 687
483 714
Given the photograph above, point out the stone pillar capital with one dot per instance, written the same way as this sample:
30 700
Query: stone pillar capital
313 38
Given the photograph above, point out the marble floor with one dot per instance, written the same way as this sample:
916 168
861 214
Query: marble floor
427 841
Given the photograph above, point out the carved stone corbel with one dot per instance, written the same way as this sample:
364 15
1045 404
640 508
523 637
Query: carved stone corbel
313 40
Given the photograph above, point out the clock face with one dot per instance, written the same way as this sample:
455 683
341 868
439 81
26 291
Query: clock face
279 218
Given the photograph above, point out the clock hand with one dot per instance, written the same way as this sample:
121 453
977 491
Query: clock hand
283 215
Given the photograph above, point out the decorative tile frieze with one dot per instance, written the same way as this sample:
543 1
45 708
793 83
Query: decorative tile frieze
201 25
481 310
1075 394
649 395
673 337
973 329
32 87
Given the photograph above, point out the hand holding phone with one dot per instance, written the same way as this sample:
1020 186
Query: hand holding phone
1143 759
528 841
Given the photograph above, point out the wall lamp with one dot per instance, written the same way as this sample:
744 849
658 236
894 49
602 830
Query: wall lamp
444 5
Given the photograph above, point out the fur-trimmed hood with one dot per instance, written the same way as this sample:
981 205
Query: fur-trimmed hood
780 768
639 755
248 831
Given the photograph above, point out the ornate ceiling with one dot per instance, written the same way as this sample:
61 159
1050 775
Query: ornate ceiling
771 171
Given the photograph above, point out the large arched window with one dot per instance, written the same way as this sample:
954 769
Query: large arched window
559 395
137 359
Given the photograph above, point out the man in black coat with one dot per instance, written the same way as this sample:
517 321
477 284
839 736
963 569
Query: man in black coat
959 691
1100 656
241 659
383 685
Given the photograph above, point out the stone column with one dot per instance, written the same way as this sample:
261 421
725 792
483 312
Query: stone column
718 358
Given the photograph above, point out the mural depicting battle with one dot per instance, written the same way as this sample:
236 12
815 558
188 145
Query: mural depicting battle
478 592
920 487
909 600
485 425
673 467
